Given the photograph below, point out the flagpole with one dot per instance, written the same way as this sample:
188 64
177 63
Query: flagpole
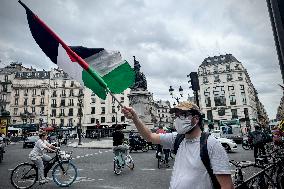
80 61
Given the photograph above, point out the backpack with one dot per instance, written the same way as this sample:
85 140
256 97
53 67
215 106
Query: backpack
203 155
258 138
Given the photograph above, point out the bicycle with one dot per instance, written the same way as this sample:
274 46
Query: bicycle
25 174
271 176
161 156
121 158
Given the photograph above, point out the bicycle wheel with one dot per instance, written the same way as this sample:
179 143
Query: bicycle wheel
24 176
130 163
116 167
64 173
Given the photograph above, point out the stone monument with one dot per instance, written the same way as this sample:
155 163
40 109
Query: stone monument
140 98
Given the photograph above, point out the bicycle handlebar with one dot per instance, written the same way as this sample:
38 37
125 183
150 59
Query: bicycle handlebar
242 164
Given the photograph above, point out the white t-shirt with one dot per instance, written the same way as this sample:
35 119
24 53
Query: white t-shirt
37 151
189 170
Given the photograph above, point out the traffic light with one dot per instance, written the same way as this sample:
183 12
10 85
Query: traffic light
194 81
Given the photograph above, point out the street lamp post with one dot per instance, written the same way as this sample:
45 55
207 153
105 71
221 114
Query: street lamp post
171 90
79 129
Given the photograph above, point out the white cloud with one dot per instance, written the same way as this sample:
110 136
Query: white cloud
169 38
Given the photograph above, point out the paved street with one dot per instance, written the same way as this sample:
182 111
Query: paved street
95 168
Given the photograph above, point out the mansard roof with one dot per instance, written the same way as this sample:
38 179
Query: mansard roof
227 58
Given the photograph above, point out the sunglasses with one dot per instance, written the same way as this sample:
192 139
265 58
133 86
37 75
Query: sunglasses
183 115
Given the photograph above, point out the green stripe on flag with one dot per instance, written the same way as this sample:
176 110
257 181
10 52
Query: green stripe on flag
120 78
93 84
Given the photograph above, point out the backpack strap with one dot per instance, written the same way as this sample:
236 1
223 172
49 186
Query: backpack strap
206 160
179 138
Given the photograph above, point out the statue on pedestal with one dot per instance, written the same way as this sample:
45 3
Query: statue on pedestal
140 79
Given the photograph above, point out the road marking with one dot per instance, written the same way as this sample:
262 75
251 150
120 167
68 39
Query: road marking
148 169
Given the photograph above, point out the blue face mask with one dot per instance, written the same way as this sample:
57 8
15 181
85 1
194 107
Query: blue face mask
183 125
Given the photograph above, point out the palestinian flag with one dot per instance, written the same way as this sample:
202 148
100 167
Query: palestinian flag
96 68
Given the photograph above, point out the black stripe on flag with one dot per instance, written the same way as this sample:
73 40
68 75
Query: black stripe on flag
43 38
85 52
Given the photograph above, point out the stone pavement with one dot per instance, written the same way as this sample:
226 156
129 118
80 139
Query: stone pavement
103 143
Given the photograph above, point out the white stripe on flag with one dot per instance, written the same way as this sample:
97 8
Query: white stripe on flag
73 69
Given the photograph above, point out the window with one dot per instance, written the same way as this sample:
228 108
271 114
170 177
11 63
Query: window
215 69
240 77
234 113
42 92
93 100
34 91
242 87
70 112
229 77
113 119
243 96
15 111
33 101
220 100
228 67
63 93
17 92
70 122
205 80
25 110
93 110
33 109
71 103
16 101
221 111
71 92
62 102
62 112
122 118
41 110
72 84
26 92
103 110
53 112
216 78
103 119
26 102
6 78
54 94
207 101
61 122
232 100
53 121
209 115
113 109
121 99
93 120
42 101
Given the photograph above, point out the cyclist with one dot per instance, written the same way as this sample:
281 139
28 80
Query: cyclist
160 147
118 138
38 156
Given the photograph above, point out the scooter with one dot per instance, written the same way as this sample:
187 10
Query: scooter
121 158
138 143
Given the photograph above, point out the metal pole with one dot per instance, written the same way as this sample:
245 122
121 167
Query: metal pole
196 98
80 122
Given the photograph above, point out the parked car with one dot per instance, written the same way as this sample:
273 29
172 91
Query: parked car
228 144
29 142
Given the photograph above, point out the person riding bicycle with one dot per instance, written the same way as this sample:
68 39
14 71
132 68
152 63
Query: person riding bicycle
118 138
160 147
38 156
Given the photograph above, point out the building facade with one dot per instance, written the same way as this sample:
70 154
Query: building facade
162 114
227 93
52 98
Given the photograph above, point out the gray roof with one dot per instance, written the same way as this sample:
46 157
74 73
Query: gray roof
227 58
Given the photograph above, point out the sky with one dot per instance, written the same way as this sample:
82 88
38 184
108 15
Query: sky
169 38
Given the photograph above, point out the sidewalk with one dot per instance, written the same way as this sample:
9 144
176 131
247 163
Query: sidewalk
103 143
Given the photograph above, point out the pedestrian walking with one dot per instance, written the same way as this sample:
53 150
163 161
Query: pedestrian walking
189 170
